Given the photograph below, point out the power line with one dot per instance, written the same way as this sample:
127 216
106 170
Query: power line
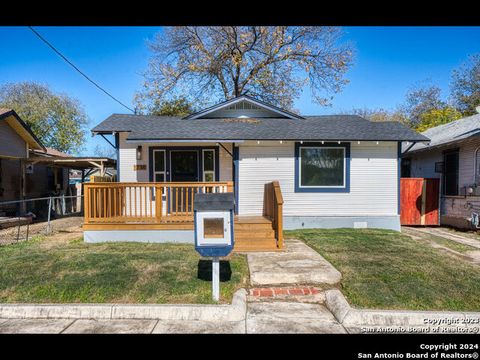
80 71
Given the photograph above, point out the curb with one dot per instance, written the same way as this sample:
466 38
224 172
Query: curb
350 317
236 311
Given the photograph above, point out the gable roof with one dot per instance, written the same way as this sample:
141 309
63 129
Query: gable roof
450 133
327 127
21 128
247 99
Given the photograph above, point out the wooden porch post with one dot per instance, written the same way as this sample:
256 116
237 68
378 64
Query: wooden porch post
82 192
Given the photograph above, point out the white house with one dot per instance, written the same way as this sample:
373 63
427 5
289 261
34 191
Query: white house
332 171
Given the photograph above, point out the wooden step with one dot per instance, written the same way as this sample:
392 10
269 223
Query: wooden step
255 244
252 220
252 227
257 233
254 233
251 248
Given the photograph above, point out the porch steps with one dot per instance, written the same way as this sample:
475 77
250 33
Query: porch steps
254 233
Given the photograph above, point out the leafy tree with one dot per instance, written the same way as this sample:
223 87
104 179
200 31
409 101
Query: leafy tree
436 117
466 86
177 106
58 120
211 63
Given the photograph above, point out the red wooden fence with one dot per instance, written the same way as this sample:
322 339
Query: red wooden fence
419 201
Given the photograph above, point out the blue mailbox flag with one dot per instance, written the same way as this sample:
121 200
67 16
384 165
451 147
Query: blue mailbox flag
214 202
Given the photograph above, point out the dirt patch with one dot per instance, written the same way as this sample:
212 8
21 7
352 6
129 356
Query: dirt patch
66 225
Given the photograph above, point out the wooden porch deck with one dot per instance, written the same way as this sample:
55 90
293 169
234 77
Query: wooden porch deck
134 206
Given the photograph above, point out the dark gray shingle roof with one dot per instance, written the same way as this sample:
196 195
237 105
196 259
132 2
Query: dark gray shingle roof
328 127
449 133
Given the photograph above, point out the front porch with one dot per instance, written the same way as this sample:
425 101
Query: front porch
167 207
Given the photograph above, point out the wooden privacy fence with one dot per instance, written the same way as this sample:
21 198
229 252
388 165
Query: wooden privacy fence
145 202
419 201
273 209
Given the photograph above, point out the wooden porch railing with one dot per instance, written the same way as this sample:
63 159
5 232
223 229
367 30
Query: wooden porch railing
156 203
273 209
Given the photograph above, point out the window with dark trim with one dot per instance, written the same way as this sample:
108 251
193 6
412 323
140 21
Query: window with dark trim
322 167
406 166
450 173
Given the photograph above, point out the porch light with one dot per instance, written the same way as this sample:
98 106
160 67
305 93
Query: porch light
301 141
358 142
258 142
281 141
339 143
139 152
377 142
323 142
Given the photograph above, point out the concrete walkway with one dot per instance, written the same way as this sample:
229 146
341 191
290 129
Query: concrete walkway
472 256
297 264
457 237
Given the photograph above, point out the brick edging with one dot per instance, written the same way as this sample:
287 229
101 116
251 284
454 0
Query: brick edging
283 291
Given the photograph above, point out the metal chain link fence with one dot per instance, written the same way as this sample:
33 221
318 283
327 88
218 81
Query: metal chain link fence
40 216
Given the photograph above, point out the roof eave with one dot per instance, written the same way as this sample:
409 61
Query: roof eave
27 134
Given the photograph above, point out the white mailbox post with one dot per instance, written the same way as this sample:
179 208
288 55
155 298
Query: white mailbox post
213 216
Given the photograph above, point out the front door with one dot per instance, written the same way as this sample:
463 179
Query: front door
184 165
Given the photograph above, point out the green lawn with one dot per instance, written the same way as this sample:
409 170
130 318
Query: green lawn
44 270
387 270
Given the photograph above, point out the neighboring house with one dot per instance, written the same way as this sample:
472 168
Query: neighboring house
45 180
452 156
333 171
30 170
16 141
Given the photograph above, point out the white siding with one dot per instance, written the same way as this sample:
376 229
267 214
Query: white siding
423 163
248 113
128 158
373 181
466 162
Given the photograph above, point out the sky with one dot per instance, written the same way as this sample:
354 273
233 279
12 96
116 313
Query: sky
388 61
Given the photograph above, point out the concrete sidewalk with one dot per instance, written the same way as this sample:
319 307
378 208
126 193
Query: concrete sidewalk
298 264
270 317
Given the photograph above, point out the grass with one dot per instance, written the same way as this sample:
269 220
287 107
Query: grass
387 270
46 271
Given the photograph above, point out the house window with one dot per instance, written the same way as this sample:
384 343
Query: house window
322 168
450 173
476 178
159 164
406 165
208 165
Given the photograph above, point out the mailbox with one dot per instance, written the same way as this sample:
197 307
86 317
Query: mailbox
213 216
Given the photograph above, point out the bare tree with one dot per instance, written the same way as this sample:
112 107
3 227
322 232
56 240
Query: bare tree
208 64
378 114
466 86
105 151
420 99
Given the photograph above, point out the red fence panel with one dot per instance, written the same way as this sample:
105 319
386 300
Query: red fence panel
419 201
